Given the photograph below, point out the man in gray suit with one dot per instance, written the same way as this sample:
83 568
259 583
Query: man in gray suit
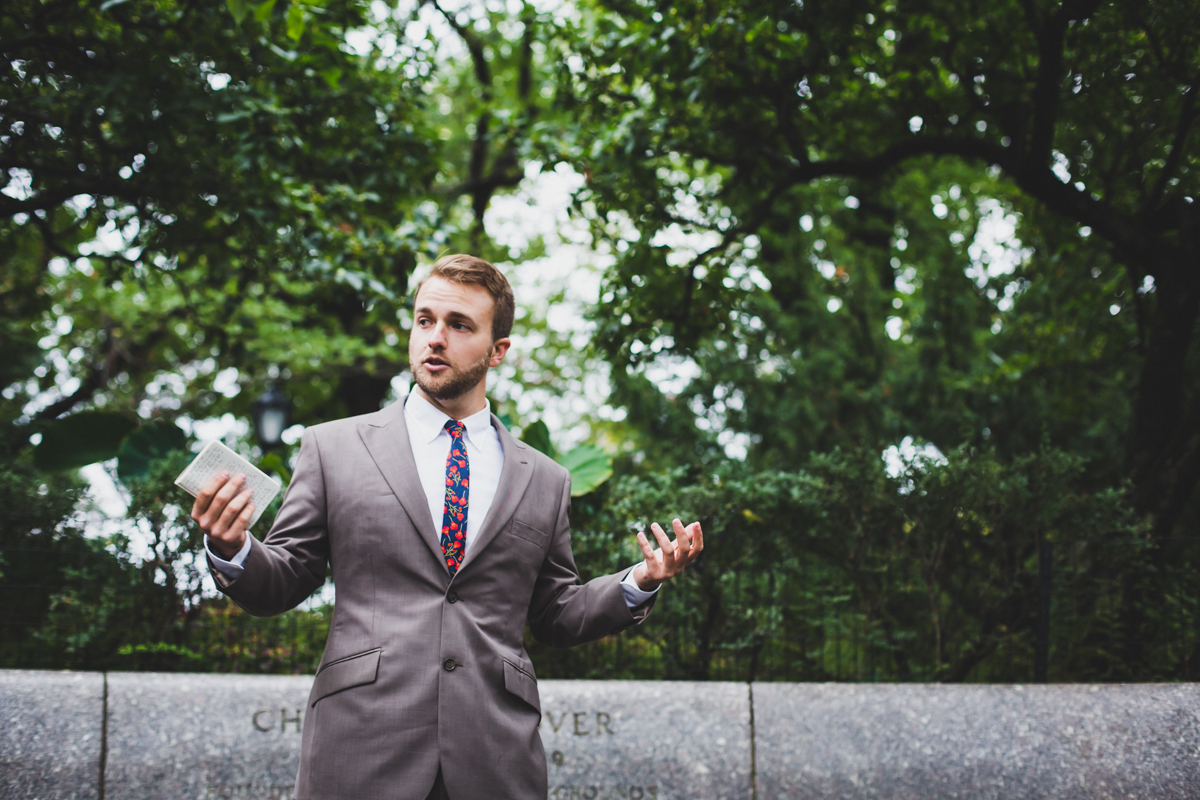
445 535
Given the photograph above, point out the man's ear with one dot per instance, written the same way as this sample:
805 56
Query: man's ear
499 349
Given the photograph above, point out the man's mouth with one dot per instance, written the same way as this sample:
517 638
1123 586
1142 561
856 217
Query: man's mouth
435 364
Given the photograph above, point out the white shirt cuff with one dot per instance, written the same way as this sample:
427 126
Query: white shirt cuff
233 567
634 594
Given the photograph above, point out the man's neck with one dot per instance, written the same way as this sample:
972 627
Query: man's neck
460 407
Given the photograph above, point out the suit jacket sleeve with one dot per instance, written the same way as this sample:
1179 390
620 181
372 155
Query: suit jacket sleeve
289 564
565 612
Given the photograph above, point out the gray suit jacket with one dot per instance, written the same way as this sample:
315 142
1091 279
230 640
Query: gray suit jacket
422 670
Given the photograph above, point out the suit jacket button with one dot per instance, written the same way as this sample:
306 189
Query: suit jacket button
450 665
452 597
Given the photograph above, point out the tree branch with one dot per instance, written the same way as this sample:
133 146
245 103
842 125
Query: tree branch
1049 37
1031 175
1186 116
96 378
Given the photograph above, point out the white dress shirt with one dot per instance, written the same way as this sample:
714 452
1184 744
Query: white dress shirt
430 443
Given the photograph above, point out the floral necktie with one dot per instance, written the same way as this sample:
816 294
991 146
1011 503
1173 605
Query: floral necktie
454 510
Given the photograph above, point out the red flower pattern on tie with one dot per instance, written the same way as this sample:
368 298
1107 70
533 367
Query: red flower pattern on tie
454 510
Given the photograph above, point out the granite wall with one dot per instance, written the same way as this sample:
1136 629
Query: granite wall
137 736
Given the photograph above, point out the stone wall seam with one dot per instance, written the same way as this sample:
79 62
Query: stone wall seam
753 755
103 737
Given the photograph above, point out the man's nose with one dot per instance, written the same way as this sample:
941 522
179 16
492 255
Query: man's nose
437 336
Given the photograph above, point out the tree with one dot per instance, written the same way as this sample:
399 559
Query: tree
735 120
201 199
255 204
261 192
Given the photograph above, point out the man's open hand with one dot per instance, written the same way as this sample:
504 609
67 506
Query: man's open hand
670 558
223 511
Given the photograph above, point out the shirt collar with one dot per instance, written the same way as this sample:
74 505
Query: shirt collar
429 422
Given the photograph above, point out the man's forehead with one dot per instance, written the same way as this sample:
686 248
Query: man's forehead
438 294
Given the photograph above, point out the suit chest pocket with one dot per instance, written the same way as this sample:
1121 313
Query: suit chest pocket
529 534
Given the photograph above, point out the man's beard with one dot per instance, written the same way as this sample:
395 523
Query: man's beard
455 383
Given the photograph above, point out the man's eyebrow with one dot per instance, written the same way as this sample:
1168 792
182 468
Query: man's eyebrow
450 315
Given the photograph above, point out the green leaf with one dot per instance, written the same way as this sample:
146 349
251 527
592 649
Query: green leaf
81 439
295 22
239 9
146 444
332 76
262 11
537 436
273 462
19 354
589 467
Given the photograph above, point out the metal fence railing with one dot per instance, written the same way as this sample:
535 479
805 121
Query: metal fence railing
84 609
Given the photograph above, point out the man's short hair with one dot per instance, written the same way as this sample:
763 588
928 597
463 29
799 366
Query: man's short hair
467 269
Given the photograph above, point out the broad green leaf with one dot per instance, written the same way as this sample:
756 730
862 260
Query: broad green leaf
332 76
239 9
262 11
295 22
537 436
273 462
146 444
589 467
82 439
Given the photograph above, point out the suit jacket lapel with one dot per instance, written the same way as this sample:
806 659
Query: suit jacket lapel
386 439
514 480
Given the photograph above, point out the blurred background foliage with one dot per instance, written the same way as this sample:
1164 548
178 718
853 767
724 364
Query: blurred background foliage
898 300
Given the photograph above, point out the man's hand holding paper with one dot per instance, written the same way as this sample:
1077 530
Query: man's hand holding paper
225 486
223 510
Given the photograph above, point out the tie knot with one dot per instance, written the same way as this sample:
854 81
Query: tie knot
456 428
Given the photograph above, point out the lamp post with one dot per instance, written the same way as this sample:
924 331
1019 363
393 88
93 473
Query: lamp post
271 413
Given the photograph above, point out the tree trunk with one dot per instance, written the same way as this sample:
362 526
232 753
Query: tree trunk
1166 434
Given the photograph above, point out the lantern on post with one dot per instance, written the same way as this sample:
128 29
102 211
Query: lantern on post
271 413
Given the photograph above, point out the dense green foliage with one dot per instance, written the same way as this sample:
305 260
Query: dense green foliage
842 572
853 151
268 223
832 226
200 200
840 224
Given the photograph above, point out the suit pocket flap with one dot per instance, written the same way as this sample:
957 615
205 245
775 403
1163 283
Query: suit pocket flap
528 533
522 684
346 672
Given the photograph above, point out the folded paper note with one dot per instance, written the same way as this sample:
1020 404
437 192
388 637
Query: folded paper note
216 458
